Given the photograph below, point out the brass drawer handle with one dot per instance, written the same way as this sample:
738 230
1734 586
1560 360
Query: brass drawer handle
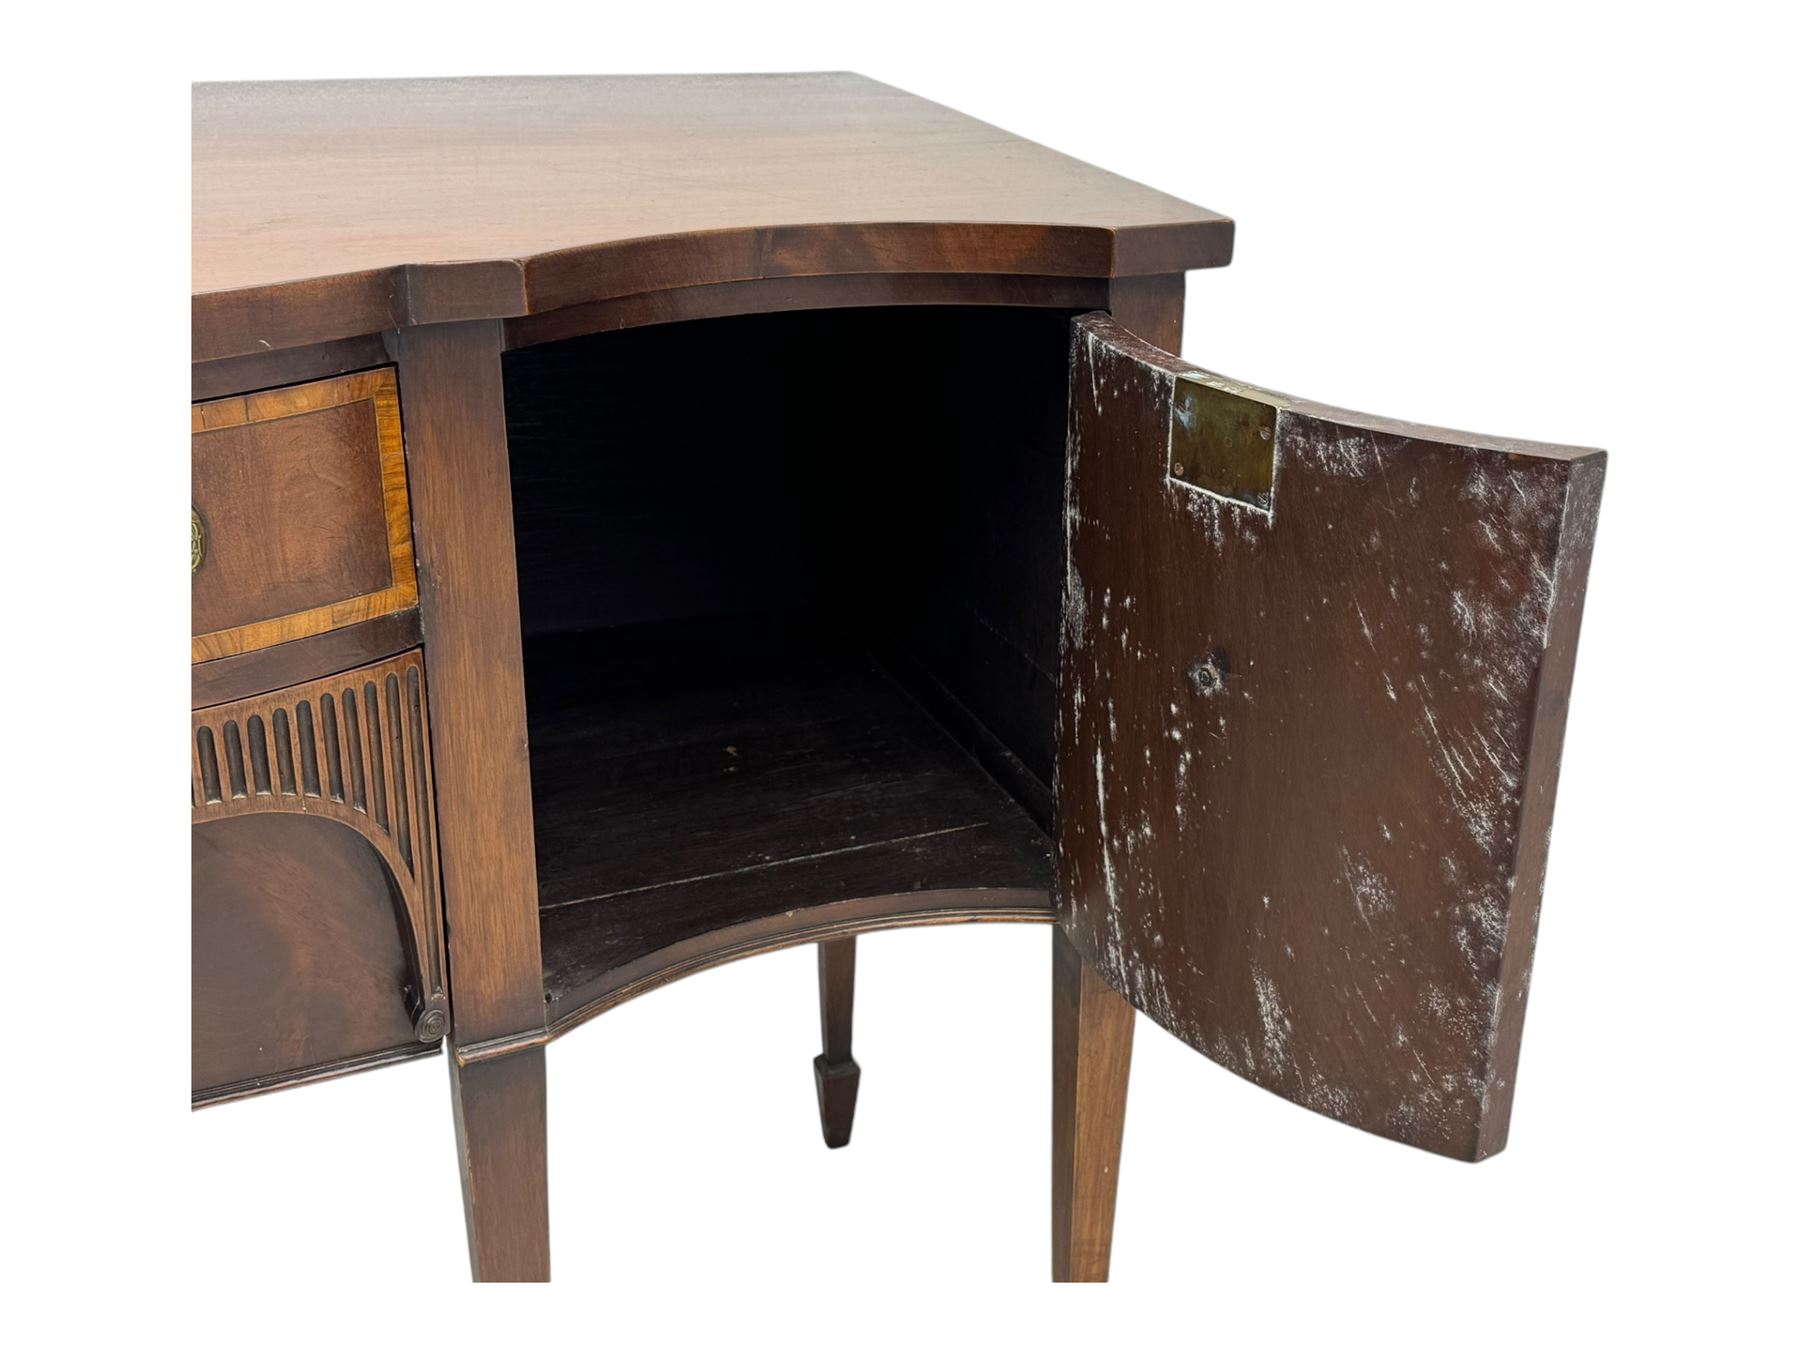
196 542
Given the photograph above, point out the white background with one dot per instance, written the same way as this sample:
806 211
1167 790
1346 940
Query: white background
1566 223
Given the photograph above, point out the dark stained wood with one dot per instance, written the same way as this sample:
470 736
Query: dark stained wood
597 957
1150 307
300 500
1307 747
227 325
298 960
1023 782
507 197
1302 696
753 742
780 295
835 1071
352 749
462 512
501 1151
954 502
307 658
293 365
796 775
932 521
1091 1030
317 1073
1548 717
275 543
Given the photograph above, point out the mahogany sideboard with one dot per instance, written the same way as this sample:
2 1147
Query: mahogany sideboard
643 522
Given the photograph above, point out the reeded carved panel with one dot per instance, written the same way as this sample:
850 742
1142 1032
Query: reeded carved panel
353 748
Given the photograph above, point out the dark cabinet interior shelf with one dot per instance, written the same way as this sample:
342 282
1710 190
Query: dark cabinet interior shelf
707 788
719 522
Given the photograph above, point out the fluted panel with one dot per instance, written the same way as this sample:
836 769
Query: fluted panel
354 748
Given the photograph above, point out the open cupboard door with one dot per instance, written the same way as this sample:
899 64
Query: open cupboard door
1314 674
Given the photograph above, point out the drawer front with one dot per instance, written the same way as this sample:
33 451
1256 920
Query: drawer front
300 518
317 933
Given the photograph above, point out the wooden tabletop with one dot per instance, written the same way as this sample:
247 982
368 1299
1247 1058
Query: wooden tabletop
333 208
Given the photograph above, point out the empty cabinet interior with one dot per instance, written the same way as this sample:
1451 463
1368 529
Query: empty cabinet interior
790 589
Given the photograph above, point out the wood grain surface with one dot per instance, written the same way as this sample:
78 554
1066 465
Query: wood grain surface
352 749
707 789
1151 307
1091 1033
289 365
501 1108
462 505
835 1070
301 497
786 295
505 197
1310 732
267 668
299 963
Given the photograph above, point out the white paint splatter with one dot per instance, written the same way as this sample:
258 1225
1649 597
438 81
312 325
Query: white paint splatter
1275 1023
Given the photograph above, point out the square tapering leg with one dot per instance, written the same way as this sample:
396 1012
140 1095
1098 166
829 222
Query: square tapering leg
1091 1052
835 1073
500 1144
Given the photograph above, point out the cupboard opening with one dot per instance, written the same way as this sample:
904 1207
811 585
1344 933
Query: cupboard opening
790 590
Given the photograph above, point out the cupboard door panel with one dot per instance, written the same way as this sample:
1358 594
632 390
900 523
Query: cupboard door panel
298 963
1314 674
317 914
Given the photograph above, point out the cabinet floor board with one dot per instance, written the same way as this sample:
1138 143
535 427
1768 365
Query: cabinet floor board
705 787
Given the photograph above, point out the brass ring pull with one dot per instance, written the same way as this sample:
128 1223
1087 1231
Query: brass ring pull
196 542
